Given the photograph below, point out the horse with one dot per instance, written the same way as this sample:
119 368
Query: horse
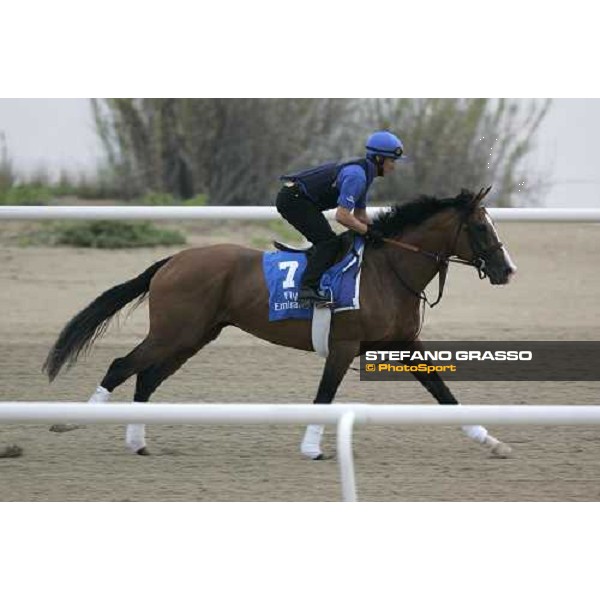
196 293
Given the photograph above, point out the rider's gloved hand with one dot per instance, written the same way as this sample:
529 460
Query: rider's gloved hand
374 237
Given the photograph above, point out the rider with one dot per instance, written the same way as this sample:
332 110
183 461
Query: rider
306 194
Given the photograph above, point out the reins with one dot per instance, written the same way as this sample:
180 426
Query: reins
443 261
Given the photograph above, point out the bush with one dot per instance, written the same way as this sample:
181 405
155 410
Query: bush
116 234
197 200
158 199
26 194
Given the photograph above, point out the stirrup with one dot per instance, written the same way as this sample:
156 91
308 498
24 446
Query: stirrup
311 296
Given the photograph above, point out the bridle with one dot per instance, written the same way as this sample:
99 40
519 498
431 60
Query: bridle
481 256
443 260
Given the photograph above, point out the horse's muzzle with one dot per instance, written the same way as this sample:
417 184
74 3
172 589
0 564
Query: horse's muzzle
501 276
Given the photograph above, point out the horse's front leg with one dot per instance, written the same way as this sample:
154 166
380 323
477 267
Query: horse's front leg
340 358
435 385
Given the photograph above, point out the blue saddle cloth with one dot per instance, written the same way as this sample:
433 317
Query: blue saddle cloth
283 273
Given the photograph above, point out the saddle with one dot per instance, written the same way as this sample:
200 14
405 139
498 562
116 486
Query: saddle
283 271
287 248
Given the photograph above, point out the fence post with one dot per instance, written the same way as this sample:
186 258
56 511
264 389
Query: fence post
345 456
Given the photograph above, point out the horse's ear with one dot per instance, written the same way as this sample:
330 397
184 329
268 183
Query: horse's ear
483 192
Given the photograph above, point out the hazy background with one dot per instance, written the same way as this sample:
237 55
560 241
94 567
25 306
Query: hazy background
60 134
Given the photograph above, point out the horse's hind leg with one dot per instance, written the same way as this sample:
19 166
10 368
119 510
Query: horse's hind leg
119 371
145 354
148 381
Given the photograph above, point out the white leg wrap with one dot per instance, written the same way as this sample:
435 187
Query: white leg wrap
311 443
136 437
476 432
100 395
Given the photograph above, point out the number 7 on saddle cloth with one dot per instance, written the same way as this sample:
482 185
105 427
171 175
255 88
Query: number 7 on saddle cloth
283 273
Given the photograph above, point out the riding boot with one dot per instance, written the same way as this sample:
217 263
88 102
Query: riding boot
319 260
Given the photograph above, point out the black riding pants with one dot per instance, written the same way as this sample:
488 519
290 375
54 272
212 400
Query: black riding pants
300 212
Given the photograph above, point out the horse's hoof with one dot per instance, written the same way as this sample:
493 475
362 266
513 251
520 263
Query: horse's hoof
63 427
143 451
501 450
313 456
11 451
324 457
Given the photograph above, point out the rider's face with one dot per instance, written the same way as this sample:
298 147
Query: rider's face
389 164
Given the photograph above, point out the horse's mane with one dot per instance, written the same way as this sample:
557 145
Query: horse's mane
415 212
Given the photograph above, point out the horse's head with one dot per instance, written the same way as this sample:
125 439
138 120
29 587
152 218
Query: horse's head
478 241
441 228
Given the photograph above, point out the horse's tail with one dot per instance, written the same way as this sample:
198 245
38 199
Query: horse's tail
86 327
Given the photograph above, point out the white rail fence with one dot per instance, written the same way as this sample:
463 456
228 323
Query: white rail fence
163 213
345 416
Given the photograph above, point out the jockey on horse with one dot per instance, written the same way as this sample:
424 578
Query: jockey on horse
306 194
198 292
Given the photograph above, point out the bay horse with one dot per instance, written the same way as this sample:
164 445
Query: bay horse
196 293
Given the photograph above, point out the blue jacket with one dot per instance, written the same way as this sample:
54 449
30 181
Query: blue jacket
336 184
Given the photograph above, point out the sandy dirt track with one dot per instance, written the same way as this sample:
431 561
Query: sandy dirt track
554 296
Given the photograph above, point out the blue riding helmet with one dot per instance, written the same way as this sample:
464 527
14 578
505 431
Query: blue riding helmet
384 143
